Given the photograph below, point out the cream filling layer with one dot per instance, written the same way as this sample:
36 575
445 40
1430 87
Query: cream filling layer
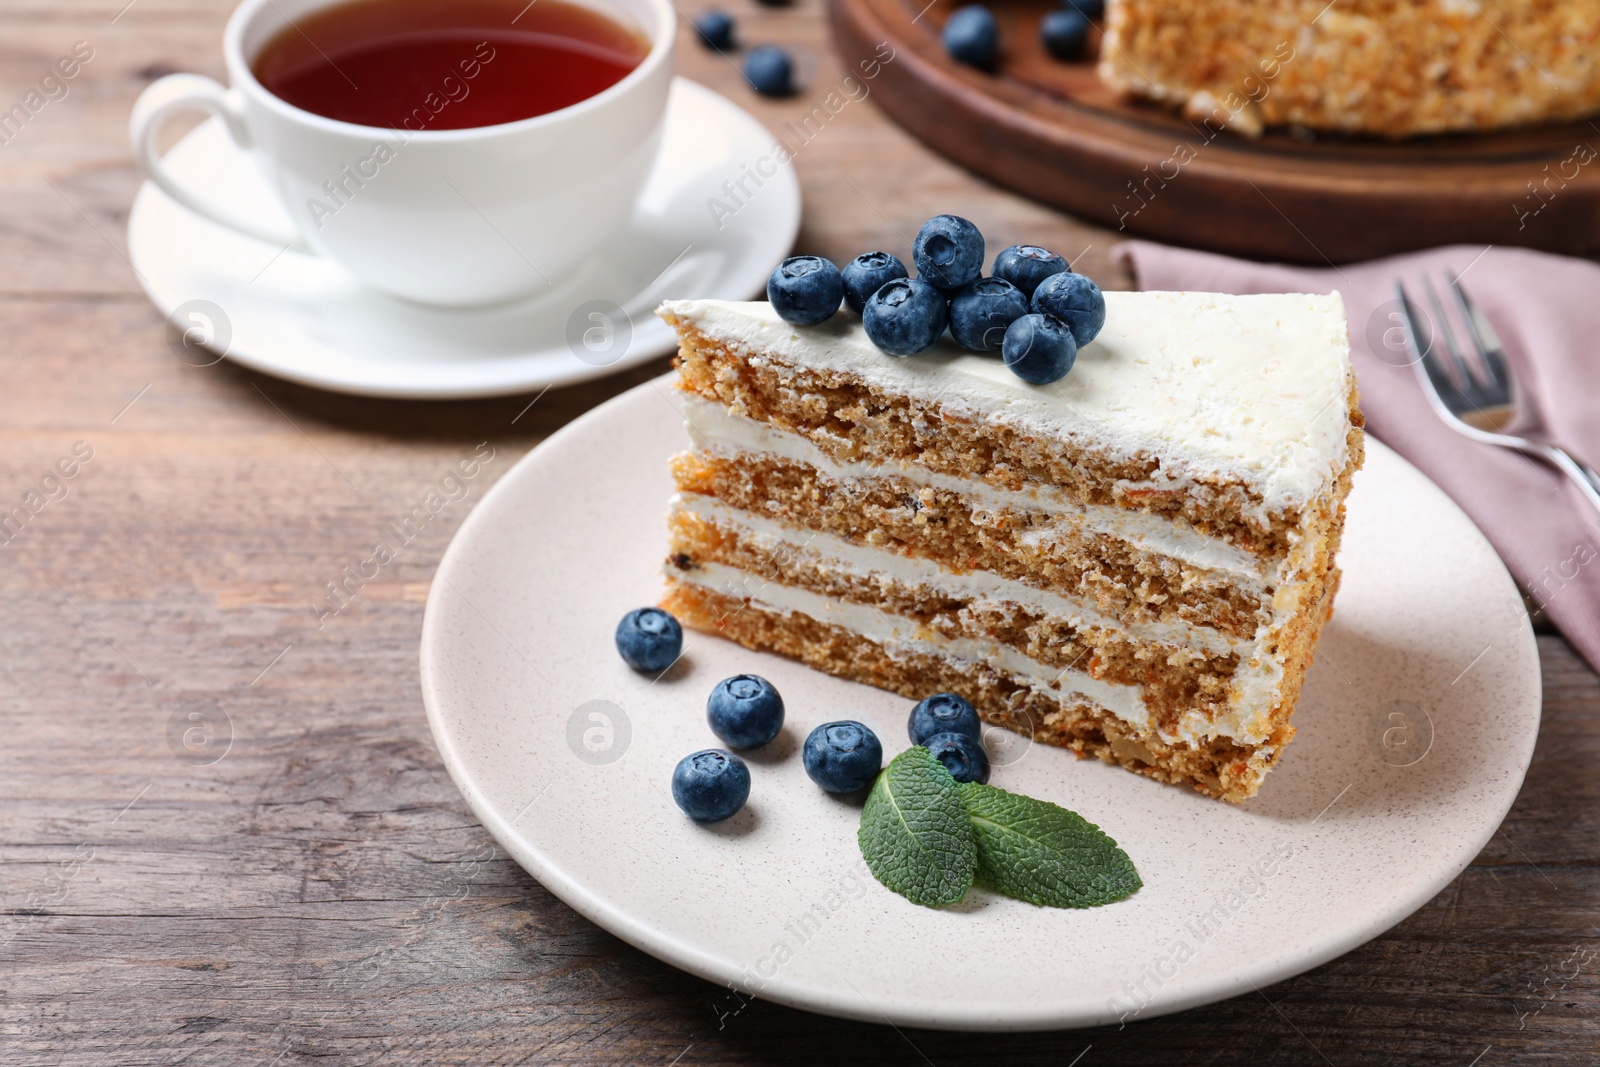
896 633
830 550
1255 683
713 428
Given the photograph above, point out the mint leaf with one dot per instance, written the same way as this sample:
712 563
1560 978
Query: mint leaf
915 835
1042 853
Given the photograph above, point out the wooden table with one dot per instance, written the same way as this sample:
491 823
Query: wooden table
321 894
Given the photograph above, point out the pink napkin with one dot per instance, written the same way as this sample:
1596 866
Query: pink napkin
1546 310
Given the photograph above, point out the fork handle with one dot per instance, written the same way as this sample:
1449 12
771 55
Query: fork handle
1585 478
1589 473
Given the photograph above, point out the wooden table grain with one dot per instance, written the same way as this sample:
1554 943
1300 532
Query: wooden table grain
320 893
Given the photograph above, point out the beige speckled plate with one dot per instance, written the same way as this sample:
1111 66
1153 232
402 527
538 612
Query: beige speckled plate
1416 727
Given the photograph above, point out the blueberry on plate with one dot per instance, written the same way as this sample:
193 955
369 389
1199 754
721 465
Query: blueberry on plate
868 273
980 313
943 713
1093 9
805 290
948 250
1039 349
1076 301
1065 33
843 757
1025 266
649 639
905 316
745 711
715 28
962 755
971 36
710 785
770 71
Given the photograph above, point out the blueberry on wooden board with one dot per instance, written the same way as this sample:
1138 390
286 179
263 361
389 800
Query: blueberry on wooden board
1065 33
972 36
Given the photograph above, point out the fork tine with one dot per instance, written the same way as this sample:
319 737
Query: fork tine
1457 364
1490 352
1408 319
1424 353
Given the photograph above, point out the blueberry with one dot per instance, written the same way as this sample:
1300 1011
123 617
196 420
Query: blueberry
745 711
1039 349
980 313
905 316
710 785
1065 33
1093 9
716 30
962 755
972 37
866 274
842 757
943 713
805 290
1025 266
948 250
1075 300
649 639
770 71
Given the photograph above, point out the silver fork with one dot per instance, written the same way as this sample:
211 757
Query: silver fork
1478 397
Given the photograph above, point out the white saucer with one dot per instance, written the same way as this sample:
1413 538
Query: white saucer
298 316
1415 729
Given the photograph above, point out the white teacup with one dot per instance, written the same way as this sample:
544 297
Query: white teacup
450 217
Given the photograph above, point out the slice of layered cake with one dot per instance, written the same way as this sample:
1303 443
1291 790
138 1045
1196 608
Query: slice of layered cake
1133 562
1392 68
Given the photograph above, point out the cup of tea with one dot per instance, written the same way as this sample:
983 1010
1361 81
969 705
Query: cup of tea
451 152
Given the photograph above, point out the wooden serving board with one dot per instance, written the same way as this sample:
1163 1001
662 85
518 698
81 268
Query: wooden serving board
1052 131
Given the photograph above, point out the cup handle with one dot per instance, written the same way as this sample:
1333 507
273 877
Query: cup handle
164 98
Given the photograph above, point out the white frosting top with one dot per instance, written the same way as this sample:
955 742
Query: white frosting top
1249 388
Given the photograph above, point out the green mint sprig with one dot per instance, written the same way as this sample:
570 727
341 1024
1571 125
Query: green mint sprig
928 838
1042 853
915 834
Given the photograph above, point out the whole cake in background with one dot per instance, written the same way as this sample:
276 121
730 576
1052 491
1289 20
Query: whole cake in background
1391 68
1133 561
